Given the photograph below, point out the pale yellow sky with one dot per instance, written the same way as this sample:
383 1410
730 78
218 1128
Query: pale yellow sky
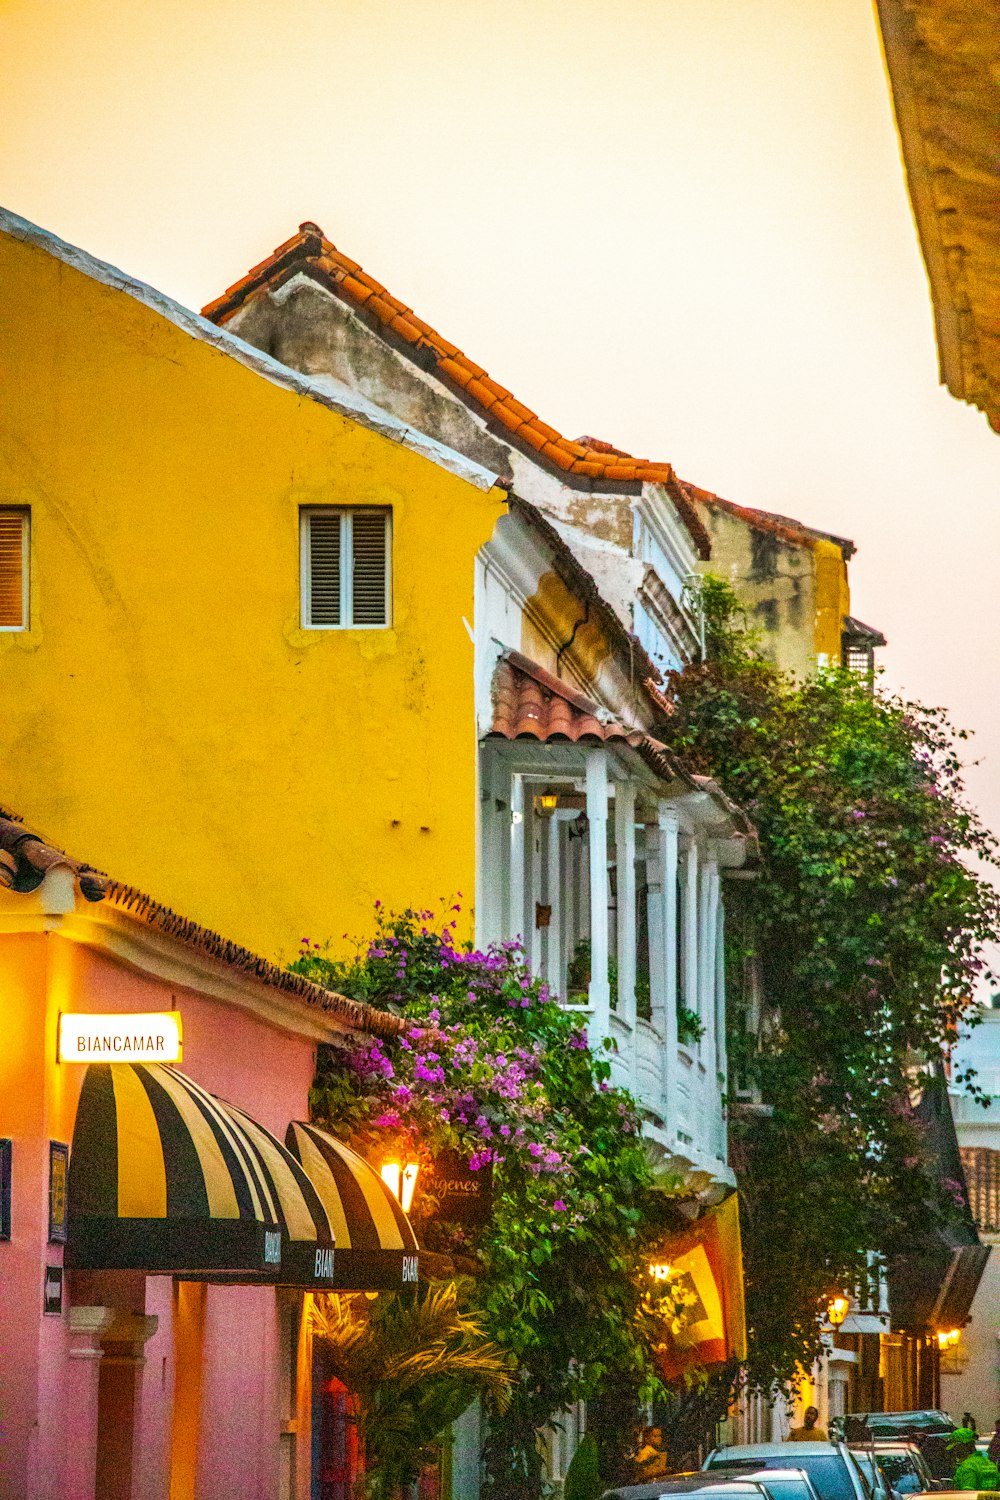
677 224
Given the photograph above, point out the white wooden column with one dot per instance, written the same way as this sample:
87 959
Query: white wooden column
571 877
625 860
533 833
656 928
597 815
491 875
708 965
690 997
722 1060
706 959
554 898
516 872
669 847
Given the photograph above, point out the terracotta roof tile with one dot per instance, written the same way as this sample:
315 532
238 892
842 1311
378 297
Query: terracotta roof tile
480 391
557 453
25 859
590 463
786 527
530 703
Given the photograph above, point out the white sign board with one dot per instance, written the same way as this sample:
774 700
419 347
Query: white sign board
152 1037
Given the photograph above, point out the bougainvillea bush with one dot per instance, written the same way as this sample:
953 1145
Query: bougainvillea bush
868 921
492 1067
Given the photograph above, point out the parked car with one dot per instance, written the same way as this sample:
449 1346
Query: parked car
875 1476
903 1465
896 1423
692 1484
930 1430
783 1484
830 1466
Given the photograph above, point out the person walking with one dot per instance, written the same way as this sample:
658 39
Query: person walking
809 1432
973 1470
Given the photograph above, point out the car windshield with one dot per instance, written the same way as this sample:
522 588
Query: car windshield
868 1469
828 1471
901 1472
786 1486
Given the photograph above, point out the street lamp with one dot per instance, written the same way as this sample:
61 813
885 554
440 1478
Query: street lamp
837 1309
401 1179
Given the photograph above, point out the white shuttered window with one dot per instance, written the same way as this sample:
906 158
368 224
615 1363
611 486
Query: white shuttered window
13 569
346 568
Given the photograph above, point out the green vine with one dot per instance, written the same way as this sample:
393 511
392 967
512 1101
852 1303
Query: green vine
867 929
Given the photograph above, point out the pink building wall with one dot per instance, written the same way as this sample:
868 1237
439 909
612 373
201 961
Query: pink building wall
46 1405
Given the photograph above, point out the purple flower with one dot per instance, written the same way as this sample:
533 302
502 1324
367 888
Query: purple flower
559 1206
578 1039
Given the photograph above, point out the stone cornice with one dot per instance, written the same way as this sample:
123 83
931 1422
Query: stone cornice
943 60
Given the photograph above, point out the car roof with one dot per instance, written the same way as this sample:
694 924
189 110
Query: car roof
779 1476
925 1419
684 1484
700 1480
769 1450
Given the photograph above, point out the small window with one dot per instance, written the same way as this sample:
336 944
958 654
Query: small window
346 568
13 569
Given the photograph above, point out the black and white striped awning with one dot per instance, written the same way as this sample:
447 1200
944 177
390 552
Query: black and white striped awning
376 1246
164 1177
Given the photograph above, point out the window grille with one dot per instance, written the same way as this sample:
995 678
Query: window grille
859 658
346 568
981 1165
13 569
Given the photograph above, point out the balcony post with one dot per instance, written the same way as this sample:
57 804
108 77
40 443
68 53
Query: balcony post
625 861
597 816
669 849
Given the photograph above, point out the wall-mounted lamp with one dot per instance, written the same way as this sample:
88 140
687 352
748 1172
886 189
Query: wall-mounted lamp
546 804
401 1179
659 1270
837 1309
948 1337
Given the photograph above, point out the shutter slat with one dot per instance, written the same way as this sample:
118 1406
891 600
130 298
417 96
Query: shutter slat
12 529
324 570
369 571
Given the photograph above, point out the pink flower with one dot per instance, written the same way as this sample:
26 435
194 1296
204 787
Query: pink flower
559 1206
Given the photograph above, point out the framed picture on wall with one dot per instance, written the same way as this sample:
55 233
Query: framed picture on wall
58 1197
6 1174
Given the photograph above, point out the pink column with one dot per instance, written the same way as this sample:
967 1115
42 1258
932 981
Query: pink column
86 1328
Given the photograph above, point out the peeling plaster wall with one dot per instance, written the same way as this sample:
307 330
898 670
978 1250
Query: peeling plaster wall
776 582
307 328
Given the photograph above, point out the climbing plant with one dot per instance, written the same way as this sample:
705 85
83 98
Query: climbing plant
493 1067
868 924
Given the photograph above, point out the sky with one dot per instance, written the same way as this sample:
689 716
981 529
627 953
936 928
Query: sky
679 225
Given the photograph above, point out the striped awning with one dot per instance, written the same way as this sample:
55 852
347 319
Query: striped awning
376 1247
164 1177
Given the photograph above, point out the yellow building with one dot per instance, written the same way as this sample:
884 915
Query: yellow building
229 595
793 583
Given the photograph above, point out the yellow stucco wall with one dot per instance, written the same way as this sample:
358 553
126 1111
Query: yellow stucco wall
795 593
833 600
165 716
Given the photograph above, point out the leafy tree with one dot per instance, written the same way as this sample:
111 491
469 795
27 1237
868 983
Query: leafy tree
868 925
